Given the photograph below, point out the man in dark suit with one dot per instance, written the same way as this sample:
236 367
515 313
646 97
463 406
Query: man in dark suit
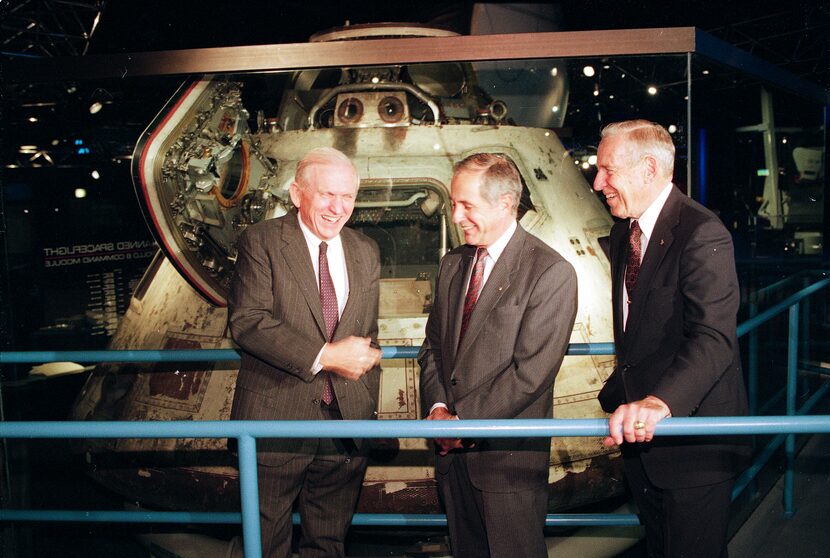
504 309
675 299
303 308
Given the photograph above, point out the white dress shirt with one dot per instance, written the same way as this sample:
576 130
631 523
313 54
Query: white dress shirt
494 252
337 270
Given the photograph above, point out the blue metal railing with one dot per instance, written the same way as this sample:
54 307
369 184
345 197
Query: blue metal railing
792 305
219 355
246 432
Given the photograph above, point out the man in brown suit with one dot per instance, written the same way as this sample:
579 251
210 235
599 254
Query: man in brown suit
303 308
504 309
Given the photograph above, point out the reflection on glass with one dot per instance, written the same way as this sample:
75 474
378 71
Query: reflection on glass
760 161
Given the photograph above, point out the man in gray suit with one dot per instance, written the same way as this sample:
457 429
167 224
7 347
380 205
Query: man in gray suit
303 308
504 309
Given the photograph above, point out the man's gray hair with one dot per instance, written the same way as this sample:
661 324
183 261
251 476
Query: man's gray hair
646 138
321 156
499 176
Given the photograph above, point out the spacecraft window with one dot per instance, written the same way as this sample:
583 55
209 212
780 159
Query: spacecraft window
390 109
406 220
350 111
234 177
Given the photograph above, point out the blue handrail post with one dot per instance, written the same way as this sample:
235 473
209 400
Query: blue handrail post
752 380
792 388
249 496
804 333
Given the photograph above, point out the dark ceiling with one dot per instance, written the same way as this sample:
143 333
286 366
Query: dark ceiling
791 34
49 117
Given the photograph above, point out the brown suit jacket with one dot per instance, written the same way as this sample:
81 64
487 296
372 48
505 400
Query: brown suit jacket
505 367
276 319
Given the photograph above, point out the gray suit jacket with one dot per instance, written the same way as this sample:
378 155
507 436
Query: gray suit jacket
505 367
276 319
680 342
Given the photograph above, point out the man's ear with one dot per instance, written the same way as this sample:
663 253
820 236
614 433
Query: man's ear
506 201
650 168
294 192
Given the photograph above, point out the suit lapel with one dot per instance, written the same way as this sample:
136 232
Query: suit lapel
496 285
659 243
619 251
356 270
296 254
457 291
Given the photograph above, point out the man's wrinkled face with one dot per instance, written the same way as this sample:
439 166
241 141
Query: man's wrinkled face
621 178
326 202
482 222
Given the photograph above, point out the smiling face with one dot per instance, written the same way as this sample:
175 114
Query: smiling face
482 222
624 178
326 201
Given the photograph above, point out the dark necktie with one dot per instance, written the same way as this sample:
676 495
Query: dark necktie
331 315
635 253
473 290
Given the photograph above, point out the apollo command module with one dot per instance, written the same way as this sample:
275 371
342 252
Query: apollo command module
209 165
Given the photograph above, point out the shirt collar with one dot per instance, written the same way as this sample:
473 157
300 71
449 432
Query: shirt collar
313 240
495 249
648 220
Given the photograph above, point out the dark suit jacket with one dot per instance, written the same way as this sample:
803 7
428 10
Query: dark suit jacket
680 342
276 319
505 367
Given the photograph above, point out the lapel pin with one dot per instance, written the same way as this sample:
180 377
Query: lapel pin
662 242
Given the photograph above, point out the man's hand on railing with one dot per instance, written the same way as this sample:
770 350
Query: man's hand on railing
635 422
445 445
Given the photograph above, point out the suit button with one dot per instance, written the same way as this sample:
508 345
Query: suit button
315 401
453 381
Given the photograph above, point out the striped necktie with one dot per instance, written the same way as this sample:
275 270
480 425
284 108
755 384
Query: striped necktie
331 314
473 290
635 255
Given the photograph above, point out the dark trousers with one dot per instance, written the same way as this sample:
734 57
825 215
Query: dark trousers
492 524
681 522
326 486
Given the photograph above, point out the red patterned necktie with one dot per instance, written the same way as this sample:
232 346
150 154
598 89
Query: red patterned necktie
331 315
473 290
635 254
